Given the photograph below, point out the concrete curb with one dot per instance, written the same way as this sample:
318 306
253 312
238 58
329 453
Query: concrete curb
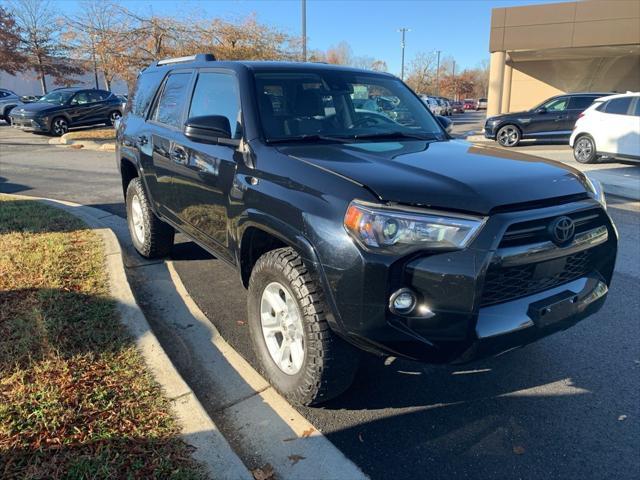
198 429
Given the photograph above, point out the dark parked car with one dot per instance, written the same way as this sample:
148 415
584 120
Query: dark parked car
457 106
355 231
64 108
553 119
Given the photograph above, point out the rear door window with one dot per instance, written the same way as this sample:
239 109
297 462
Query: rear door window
170 105
580 103
618 106
636 110
144 92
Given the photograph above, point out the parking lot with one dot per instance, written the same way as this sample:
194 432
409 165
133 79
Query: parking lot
565 407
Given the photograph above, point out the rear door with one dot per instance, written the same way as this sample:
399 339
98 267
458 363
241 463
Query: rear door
577 105
621 130
163 127
203 172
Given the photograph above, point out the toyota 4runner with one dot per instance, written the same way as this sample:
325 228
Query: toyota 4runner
356 228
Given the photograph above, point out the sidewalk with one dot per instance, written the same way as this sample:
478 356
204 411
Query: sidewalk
620 179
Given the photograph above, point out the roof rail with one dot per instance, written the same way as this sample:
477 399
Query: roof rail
200 57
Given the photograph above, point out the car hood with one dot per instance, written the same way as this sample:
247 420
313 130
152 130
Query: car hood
451 174
37 107
509 115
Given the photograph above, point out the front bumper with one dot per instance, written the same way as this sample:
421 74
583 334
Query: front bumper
490 131
29 124
464 323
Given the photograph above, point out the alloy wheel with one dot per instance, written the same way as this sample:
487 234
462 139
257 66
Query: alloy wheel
60 126
137 219
114 116
508 136
282 328
583 149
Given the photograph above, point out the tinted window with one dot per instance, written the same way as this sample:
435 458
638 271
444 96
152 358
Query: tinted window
81 98
217 94
618 106
171 102
3 94
96 96
636 111
580 103
145 90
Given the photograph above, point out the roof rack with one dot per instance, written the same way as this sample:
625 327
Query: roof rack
200 57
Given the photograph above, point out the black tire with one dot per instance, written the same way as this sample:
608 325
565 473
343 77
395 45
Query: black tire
330 363
59 126
584 149
508 135
156 237
113 116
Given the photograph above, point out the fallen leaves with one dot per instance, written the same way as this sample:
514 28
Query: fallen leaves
296 458
518 450
622 417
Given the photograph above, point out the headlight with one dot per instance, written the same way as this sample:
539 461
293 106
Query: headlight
597 191
397 231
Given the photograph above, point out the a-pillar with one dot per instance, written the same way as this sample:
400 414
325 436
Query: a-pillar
496 83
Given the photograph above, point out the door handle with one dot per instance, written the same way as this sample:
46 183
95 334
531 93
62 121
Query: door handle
178 155
142 140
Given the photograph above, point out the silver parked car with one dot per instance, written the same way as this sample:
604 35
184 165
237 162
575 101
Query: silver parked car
8 100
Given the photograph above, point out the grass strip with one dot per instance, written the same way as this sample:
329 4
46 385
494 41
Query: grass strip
76 400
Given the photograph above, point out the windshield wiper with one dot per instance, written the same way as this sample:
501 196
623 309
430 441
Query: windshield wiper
309 138
394 134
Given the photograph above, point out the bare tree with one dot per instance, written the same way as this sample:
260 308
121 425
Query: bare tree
422 71
41 42
340 54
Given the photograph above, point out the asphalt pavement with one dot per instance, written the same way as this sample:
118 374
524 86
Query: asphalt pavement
567 406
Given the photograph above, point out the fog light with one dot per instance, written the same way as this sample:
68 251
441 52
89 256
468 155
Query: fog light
402 301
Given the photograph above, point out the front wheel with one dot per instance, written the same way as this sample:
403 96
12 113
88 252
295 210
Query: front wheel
508 136
297 351
584 150
151 237
59 126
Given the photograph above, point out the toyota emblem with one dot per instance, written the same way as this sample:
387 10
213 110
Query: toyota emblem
562 230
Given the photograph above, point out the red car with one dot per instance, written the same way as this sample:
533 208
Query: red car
469 104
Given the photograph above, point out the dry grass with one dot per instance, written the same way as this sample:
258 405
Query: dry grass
97 134
75 398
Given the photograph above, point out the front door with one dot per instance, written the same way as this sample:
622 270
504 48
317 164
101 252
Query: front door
80 107
550 119
205 172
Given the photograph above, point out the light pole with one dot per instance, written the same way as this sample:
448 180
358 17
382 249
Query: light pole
453 78
304 30
95 62
403 30
438 75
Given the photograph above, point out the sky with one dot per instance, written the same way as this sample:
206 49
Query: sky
458 28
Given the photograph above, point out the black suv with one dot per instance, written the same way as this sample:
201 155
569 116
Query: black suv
553 119
63 108
352 228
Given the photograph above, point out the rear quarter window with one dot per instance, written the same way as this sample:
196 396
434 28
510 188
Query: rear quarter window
144 92
618 106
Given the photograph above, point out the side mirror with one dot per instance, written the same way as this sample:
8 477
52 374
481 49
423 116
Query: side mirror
541 110
208 128
445 123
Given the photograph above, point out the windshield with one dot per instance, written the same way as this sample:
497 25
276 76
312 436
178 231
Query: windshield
340 106
58 98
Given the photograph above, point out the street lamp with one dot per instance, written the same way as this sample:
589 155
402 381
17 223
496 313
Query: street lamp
304 30
438 75
403 30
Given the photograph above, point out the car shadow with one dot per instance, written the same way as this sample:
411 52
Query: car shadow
9 187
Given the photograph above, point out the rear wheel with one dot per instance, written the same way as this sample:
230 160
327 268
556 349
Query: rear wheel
584 150
151 237
113 117
508 136
297 351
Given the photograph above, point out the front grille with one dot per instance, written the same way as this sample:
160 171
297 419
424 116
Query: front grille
505 284
535 231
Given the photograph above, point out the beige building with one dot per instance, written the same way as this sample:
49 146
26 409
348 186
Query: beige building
542 50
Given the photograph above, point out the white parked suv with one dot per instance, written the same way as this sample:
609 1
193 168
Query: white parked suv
610 127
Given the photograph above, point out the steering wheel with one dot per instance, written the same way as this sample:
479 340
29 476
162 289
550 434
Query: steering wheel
371 120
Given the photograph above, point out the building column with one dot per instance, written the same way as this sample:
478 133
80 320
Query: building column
506 89
496 81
